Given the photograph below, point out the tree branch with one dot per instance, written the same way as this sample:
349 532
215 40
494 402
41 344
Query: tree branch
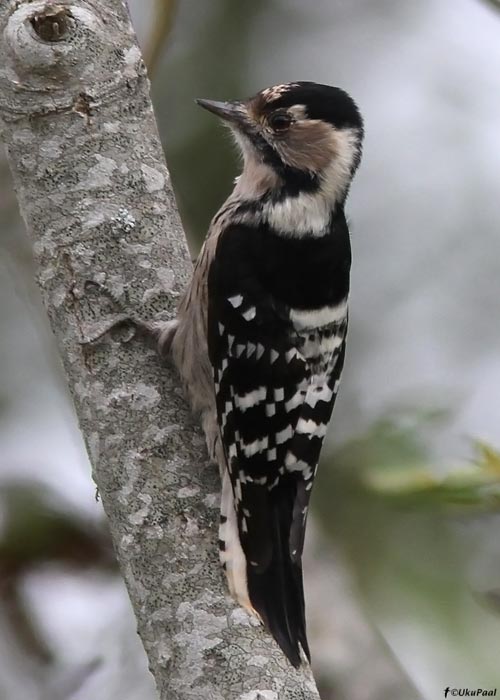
95 194
495 4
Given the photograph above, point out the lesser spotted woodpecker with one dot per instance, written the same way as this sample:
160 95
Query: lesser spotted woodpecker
260 335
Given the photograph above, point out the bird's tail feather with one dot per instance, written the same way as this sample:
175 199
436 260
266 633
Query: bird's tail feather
273 590
277 592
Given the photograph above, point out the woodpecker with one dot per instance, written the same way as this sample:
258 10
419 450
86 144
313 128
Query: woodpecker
259 339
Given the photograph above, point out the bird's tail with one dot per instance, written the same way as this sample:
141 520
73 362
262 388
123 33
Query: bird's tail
277 592
274 590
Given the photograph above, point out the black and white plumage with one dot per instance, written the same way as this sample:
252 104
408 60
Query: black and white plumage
260 335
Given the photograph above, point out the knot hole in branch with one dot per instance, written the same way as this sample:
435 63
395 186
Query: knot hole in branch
53 25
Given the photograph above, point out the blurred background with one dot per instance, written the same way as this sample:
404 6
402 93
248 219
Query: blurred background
403 561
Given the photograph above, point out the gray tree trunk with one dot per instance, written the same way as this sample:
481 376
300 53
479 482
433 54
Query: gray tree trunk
95 194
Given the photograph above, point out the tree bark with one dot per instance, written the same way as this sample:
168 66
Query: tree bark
95 194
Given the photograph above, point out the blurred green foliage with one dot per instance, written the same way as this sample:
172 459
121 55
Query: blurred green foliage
392 461
413 535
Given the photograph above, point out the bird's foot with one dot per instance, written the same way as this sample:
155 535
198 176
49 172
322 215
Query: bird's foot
127 324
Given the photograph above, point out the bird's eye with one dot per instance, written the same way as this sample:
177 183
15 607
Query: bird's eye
280 121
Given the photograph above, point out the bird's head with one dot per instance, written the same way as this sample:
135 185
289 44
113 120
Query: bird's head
298 138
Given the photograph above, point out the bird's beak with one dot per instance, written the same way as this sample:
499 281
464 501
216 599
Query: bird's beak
232 112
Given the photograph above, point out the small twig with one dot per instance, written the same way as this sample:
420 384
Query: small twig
163 22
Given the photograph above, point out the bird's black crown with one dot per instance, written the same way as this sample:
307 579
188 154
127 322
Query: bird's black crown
330 104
